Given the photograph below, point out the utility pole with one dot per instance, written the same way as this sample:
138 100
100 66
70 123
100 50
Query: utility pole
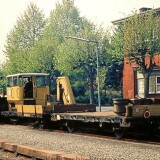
97 57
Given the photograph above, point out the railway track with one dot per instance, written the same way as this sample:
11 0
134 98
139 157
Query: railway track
10 146
141 138
129 137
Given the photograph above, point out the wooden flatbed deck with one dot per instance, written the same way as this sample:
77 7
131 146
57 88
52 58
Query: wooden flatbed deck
104 116
104 113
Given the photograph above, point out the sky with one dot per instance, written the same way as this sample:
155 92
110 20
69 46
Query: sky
101 12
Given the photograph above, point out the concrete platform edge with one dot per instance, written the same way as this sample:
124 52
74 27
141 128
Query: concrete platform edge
37 153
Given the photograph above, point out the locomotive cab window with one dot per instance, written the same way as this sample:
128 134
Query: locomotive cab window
41 81
20 81
26 80
15 81
9 82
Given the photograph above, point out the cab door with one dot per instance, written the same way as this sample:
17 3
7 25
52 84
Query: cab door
41 89
14 89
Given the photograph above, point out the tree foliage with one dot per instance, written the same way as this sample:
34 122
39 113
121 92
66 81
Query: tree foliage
73 55
114 75
22 40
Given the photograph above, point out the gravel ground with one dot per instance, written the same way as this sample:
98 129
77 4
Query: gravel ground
95 148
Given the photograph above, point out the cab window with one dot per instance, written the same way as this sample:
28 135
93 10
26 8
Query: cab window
25 80
9 82
41 81
20 82
15 81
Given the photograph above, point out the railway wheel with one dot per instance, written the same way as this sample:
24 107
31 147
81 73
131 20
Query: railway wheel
14 121
70 127
119 133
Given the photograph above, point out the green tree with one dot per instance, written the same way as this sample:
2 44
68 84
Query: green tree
113 76
65 20
140 41
81 55
23 38
2 79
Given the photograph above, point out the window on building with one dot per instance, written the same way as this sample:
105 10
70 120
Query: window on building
152 84
158 84
140 88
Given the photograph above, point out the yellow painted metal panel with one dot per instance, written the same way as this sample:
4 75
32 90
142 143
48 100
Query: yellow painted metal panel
19 108
41 92
14 93
19 91
40 102
9 93
39 109
29 109
64 90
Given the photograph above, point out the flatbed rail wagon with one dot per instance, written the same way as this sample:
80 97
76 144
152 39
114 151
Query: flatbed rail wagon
28 97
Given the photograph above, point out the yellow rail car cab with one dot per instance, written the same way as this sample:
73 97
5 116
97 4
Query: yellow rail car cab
28 91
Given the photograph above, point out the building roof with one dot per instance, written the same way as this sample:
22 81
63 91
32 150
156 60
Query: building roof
141 11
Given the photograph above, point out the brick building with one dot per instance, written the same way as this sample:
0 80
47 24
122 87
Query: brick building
133 81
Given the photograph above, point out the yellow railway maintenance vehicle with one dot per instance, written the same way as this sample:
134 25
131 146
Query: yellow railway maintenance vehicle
28 95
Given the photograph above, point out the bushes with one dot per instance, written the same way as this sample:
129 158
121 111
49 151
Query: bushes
82 99
83 96
109 95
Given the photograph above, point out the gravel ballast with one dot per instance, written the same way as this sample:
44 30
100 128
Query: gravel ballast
95 148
